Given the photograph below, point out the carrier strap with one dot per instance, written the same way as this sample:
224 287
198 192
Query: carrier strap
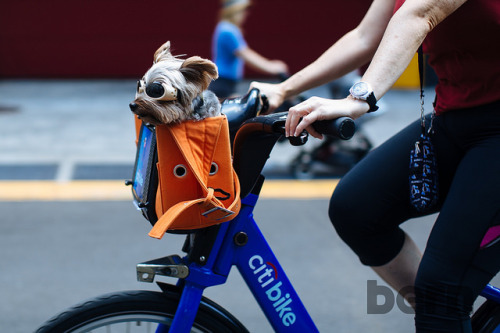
214 210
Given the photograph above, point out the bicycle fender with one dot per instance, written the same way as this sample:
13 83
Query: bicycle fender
208 306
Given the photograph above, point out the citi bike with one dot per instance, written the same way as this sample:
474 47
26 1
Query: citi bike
211 252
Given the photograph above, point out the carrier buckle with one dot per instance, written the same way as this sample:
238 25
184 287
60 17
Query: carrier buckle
171 266
224 211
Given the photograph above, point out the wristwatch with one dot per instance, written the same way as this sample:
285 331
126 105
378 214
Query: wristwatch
364 92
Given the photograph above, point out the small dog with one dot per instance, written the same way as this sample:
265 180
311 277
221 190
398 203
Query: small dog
174 90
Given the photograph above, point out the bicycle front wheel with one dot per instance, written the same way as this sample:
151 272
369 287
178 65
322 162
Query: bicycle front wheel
137 311
487 318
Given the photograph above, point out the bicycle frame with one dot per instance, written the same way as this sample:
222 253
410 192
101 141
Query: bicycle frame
492 293
240 243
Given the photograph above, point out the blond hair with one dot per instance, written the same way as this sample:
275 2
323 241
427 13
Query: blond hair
230 7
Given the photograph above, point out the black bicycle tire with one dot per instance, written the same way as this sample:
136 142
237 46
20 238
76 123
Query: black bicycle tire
209 318
487 318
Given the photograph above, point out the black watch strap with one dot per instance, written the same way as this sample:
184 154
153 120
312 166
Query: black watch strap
372 102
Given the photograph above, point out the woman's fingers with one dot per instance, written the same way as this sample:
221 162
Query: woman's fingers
310 129
271 92
305 123
295 114
301 116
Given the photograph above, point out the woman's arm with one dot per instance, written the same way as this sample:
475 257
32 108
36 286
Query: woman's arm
405 32
353 50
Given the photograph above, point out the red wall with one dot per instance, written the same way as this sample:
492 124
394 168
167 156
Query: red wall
117 38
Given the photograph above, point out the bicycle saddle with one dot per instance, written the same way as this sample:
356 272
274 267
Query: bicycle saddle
240 109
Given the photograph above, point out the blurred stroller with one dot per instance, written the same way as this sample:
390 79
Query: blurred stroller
332 157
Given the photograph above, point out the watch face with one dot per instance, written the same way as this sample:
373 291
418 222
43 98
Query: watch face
360 90
363 91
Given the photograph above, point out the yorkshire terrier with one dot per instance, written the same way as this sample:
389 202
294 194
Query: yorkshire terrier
174 90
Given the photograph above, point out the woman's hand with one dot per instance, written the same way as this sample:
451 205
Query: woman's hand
303 115
273 93
277 67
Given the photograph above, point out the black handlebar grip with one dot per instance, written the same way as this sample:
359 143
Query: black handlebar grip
343 127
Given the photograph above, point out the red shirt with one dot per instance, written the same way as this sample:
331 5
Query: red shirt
464 50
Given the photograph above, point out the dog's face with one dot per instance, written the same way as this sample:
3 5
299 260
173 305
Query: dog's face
165 93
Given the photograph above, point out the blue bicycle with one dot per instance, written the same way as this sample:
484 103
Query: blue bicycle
210 254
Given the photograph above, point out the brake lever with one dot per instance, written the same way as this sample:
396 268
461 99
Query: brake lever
299 140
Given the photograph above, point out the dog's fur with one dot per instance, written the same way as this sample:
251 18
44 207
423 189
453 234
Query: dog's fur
191 78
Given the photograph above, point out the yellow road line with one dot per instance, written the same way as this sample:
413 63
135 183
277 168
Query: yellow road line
116 190
298 189
73 190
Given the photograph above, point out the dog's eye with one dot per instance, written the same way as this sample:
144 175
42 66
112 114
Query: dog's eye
161 91
155 90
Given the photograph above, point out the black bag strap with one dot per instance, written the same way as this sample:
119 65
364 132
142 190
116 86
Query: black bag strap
421 70
421 76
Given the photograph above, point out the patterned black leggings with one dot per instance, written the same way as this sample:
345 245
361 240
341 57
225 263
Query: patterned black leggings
372 200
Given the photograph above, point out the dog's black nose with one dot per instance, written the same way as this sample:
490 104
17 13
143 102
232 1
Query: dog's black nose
133 107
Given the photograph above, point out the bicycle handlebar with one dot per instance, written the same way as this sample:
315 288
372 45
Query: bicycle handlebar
246 108
343 127
257 136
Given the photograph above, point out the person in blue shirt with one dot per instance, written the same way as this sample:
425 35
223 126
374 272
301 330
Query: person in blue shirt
230 51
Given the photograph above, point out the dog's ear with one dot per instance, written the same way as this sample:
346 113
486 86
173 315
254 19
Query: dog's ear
199 71
163 53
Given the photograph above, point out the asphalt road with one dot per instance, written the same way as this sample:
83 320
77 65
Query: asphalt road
55 254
